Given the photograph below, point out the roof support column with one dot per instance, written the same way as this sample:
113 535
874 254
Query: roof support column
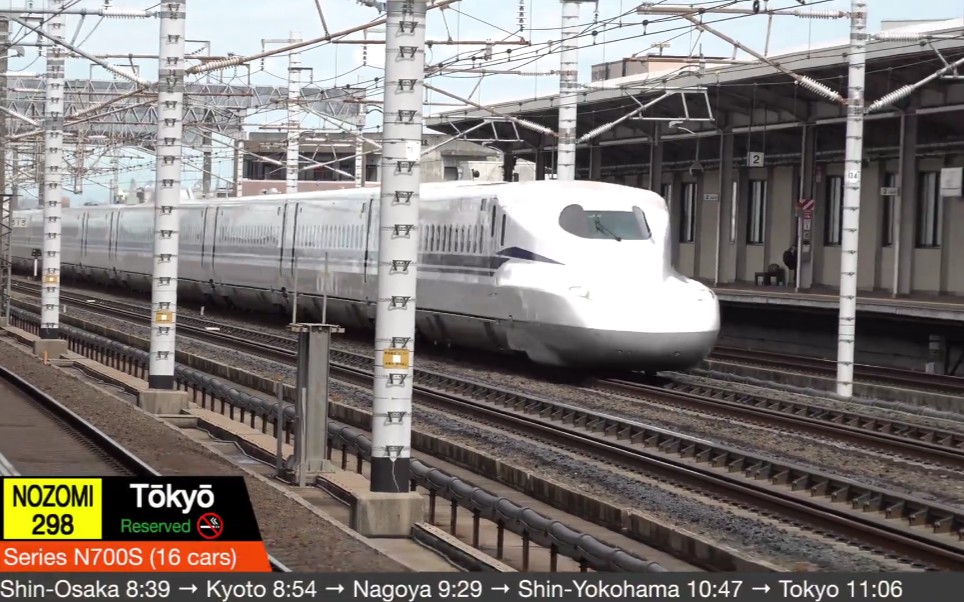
808 172
595 163
656 160
541 162
725 263
905 224
508 167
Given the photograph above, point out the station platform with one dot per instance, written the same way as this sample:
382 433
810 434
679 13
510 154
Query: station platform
920 306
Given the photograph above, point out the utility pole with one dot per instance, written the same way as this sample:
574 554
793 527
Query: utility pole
853 161
53 185
568 91
238 164
398 245
293 158
360 148
207 163
163 396
6 201
115 175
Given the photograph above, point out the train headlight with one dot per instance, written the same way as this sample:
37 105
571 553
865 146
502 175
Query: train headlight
579 291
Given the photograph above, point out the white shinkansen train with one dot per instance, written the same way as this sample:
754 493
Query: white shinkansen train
568 273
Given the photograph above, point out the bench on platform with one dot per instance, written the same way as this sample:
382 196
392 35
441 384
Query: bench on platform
774 274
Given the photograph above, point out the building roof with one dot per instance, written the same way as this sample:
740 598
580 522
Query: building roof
744 97
816 57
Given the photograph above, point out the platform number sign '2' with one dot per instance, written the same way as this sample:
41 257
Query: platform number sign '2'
755 160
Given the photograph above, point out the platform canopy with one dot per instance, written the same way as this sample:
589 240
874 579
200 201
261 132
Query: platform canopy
764 107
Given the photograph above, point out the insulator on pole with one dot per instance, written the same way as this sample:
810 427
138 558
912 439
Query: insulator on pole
899 36
815 86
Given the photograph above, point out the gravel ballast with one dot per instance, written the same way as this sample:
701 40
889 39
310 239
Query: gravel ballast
764 538
292 533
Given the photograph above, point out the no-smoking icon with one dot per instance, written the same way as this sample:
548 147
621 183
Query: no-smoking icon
210 526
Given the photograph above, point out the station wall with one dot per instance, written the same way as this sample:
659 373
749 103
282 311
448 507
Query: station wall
764 224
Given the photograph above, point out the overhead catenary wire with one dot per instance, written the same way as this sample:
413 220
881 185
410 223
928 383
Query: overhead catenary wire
536 50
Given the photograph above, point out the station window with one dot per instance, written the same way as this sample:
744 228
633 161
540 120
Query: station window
887 206
687 222
756 222
930 211
834 222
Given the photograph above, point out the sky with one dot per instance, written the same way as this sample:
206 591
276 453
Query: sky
239 26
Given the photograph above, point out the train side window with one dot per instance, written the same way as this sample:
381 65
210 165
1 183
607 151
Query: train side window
492 223
502 240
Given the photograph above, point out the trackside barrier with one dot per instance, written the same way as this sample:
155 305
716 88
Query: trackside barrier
530 525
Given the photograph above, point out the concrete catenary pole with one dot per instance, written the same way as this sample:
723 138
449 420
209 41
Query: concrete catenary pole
6 202
167 192
853 161
238 164
568 90
398 245
295 114
360 147
53 176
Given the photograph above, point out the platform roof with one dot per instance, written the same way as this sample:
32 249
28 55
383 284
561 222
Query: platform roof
762 105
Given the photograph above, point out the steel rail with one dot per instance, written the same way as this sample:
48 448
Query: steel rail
865 372
903 438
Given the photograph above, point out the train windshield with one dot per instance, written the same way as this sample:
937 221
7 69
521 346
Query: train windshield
612 225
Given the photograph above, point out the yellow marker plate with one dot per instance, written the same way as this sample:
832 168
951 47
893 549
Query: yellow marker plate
395 358
52 508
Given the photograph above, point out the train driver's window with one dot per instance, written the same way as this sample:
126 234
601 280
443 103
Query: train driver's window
573 220
643 223
605 225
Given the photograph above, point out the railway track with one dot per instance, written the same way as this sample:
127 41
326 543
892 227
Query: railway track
906 526
105 456
828 368
904 439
